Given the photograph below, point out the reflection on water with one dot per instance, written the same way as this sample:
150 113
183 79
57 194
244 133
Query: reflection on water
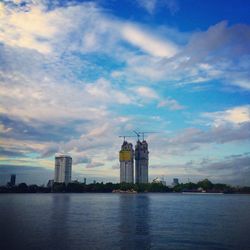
134 221
59 221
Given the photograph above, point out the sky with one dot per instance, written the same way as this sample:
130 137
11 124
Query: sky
75 75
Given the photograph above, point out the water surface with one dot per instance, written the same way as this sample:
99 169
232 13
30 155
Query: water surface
124 221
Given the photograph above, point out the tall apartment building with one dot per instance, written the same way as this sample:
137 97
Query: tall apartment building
126 156
13 180
141 162
63 168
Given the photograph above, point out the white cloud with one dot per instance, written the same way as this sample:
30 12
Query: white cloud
49 102
35 27
87 28
146 92
4 130
102 90
242 83
152 5
148 43
208 55
234 115
94 165
30 29
148 5
99 131
40 29
170 103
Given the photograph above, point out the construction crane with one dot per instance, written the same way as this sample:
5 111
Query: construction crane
143 133
137 134
125 136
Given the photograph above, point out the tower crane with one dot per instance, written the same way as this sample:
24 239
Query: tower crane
137 134
143 133
125 136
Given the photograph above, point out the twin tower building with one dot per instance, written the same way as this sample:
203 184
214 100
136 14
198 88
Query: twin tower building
127 156
63 164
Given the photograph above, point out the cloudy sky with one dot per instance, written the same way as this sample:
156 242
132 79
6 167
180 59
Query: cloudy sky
74 75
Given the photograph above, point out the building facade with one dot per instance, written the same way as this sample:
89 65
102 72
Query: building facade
13 180
126 157
63 168
141 162
175 182
159 181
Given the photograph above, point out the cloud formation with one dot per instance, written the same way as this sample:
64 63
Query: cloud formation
148 43
236 115
75 76
234 170
170 103
151 6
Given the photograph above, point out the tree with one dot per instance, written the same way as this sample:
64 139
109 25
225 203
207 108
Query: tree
205 184
22 188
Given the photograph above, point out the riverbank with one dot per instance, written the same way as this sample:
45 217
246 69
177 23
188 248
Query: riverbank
204 186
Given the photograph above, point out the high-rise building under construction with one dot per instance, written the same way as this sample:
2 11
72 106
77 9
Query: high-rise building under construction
126 156
141 162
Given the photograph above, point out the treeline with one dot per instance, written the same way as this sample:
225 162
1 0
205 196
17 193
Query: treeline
77 187
24 188
204 185
109 187
207 186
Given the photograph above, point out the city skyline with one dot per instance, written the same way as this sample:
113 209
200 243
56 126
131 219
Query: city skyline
75 75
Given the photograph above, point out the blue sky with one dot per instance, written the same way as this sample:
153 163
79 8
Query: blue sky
74 75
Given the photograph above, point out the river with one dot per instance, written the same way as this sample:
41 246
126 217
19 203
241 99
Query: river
124 221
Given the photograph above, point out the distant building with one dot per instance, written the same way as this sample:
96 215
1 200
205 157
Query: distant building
164 183
141 162
158 180
126 157
63 168
175 182
85 181
13 180
50 183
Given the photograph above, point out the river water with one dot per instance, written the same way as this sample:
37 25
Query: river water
124 221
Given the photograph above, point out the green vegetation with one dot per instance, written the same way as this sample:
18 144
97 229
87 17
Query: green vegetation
204 185
77 187
109 187
24 188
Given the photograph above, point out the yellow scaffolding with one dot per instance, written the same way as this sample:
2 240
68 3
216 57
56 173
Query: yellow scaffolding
125 155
